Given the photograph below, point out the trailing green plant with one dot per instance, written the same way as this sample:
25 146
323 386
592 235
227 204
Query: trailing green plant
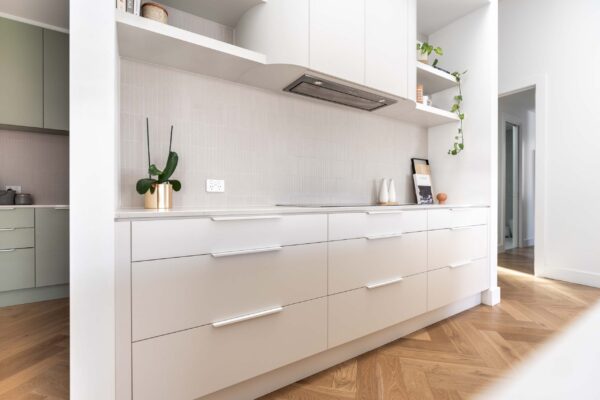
459 139
162 176
427 48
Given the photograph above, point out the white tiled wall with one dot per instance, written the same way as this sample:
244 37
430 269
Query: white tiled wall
269 147
37 162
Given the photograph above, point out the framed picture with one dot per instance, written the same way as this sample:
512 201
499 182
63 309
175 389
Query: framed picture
420 166
423 190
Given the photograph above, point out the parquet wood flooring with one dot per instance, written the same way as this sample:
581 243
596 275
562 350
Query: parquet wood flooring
519 259
458 357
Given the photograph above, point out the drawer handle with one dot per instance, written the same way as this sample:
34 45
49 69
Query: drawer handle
247 317
7 209
460 209
460 228
384 283
7 229
62 208
389 236
385 212
7 250
247 218
242 252
460 264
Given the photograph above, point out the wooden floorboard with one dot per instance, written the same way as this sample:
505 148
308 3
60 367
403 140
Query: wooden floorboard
453 359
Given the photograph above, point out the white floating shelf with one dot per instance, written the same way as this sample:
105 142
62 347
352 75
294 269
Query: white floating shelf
153 42
431 116
226 12
433 79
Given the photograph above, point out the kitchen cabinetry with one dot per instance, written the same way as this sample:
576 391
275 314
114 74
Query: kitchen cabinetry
21 74
51 246
244 295
34 77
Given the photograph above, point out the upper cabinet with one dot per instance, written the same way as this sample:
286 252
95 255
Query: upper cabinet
34 77
21 74
56 80
337 38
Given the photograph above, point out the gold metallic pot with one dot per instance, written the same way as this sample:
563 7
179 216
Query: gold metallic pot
162 198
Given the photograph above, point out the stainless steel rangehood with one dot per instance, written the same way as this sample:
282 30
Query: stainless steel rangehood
334 92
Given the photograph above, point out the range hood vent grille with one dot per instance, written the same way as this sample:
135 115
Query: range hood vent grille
322 89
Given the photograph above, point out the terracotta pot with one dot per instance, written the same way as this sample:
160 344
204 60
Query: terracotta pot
442 197
161 199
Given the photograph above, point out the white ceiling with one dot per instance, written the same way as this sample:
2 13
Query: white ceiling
524 100
54 13
226 12
435 14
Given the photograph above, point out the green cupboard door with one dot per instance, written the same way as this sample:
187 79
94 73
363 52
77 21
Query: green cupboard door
21 74
56 80
51 246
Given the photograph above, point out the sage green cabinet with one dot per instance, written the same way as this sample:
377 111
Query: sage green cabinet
34 76
17 269
56 80
21 74
51 246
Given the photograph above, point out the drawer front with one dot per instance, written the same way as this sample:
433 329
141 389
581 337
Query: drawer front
447 285
457 245
193 363
188 237
17 269
16 238
376 223
16 217
359 262
199 290
455 217
363 311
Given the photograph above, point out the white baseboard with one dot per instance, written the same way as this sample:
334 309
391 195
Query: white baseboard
284 376
491 297
572 275
33 295
528 242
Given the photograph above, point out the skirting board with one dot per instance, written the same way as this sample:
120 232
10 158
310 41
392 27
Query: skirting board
572 275
491 297
281 377
33 295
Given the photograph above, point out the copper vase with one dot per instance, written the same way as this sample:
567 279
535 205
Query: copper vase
161 199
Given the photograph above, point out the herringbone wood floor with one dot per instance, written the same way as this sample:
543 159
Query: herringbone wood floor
450 360
457 357
519 259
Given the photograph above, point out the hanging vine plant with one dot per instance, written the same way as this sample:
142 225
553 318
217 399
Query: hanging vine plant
459 139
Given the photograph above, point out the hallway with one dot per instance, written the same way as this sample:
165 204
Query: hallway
518 259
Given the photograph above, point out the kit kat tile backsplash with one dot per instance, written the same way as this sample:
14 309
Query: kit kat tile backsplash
268 147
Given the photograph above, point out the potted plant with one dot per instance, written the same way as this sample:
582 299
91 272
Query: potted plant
425 49
158 192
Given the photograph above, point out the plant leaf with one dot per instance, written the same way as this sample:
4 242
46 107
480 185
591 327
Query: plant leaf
154 171
169 168
176 184
438 50
143 185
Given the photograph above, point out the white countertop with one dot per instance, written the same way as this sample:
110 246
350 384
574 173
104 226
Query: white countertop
11 206
182 212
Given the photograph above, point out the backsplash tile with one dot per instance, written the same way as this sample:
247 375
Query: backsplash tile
268 147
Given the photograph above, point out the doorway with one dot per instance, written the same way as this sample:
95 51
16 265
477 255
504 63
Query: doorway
516 181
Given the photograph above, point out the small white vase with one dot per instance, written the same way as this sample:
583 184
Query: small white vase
392 192
384 196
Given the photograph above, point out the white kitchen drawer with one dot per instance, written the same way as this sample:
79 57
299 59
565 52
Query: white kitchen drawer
455 217
16 238
363 311
193 363
358 262
181 293
187 237
14 217
376 223
456 245
449 284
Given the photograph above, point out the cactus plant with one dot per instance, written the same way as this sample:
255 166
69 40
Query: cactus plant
162 176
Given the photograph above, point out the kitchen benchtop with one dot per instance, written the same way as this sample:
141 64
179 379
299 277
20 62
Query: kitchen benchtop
11 206
183 212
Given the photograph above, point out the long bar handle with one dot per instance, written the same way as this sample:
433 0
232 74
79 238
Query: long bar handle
246 218
7 229
384 283
7 250
461 228
247 317
242 252
62 208
385 212
388 236
460 264
7 208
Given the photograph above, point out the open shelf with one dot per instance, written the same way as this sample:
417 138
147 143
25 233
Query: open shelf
430 116
433 79
226 12
153 42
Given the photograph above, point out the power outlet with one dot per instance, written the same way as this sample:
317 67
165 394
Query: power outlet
215 185
14 187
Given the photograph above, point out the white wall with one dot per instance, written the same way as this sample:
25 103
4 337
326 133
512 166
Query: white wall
548 37
269 147
37 162
93 98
